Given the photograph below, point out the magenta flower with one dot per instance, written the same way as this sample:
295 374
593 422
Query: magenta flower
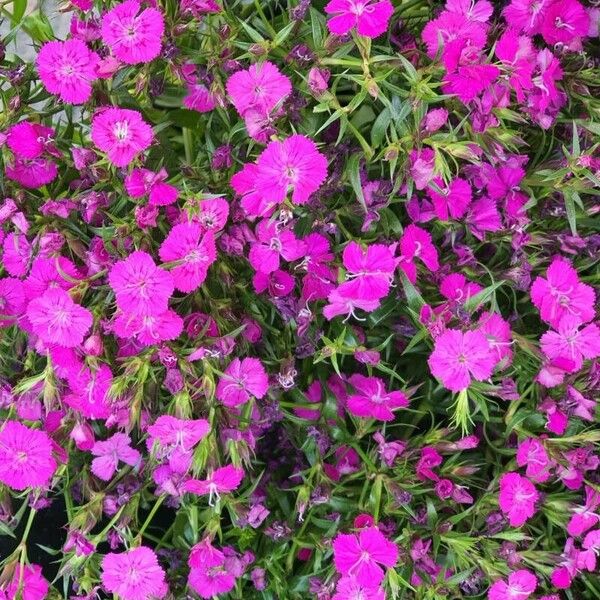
348 588
27 583
273 242
561 293
242 379
209 575
526 15
261 87
499 336
48 273
453 200
134 575
572 344
343 302
370 18
89 391
29 140
564 22
141 288
360 556
532 454
25 456
199 98
68 70
221 481
521 584
467 83
142 182
56 319
372 399
108 454
121 133
12 301
517 498
149 329
585 517
32 174
195 250
416 243
459 357
16 254
133 36
517 56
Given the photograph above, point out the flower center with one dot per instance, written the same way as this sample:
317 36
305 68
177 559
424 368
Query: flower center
121 130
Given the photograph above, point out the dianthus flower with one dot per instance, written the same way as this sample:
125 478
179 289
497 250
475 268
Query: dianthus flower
241 380
517 498
370 18
372 399
221 481
109 452
521 584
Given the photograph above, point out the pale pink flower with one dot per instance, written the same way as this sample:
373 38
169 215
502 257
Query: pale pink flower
261 87
572 343
56 319
108 453
562 293
373 400
223 480
241 380
141 288
134 575
459 357
121 133
195 250
517 498
25 456
521 584
370 18
27 583
133 36
68 69
360 556
348 588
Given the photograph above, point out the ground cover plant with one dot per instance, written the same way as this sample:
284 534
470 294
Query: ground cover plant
299 300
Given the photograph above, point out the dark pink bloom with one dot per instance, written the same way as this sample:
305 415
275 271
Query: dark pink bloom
195 250
456 288
561 293
459 357
47 273
469 81
370 18
572 343
585 517
32 174
521 584
372 399
209 575
242 379
564 22
360 556
134 575
532 454
121 133
221 481
454 33
416 243
516 54
133 36
517 498
453 200
27 583
16 254
89 391
343 302
212 214
314 395
348 588
273 242
149 329
12 301
110 452
142 182
499 336
68 69
25 456
141 288
199 98
29 140
526 15
279 283
56 319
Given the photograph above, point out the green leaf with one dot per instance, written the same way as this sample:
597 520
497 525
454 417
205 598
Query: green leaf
38 27
354 174
19 8
382 122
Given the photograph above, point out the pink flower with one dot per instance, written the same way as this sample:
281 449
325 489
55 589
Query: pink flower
517 498
370 18
121 133
526 15
195 250
141 288
416 243
454 32
470 80
343 302
212 214
25 456
499 336
16 254
274 242
48 273
29 140
584 517
56 319
132 37
109 452
68 70
359 556
373 400
142 182
89 391
348 588
12 301
456 288
521 584
516 54
241 380
561 293
199 98
292 165
459 357
564 21
149 329
454 199
221 481
483 216
261 87
32 174
532 454
209 575
27 583
134 575
571 343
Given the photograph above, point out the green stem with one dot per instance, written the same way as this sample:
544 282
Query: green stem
151 515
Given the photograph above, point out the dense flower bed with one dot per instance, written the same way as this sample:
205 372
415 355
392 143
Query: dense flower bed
298 301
